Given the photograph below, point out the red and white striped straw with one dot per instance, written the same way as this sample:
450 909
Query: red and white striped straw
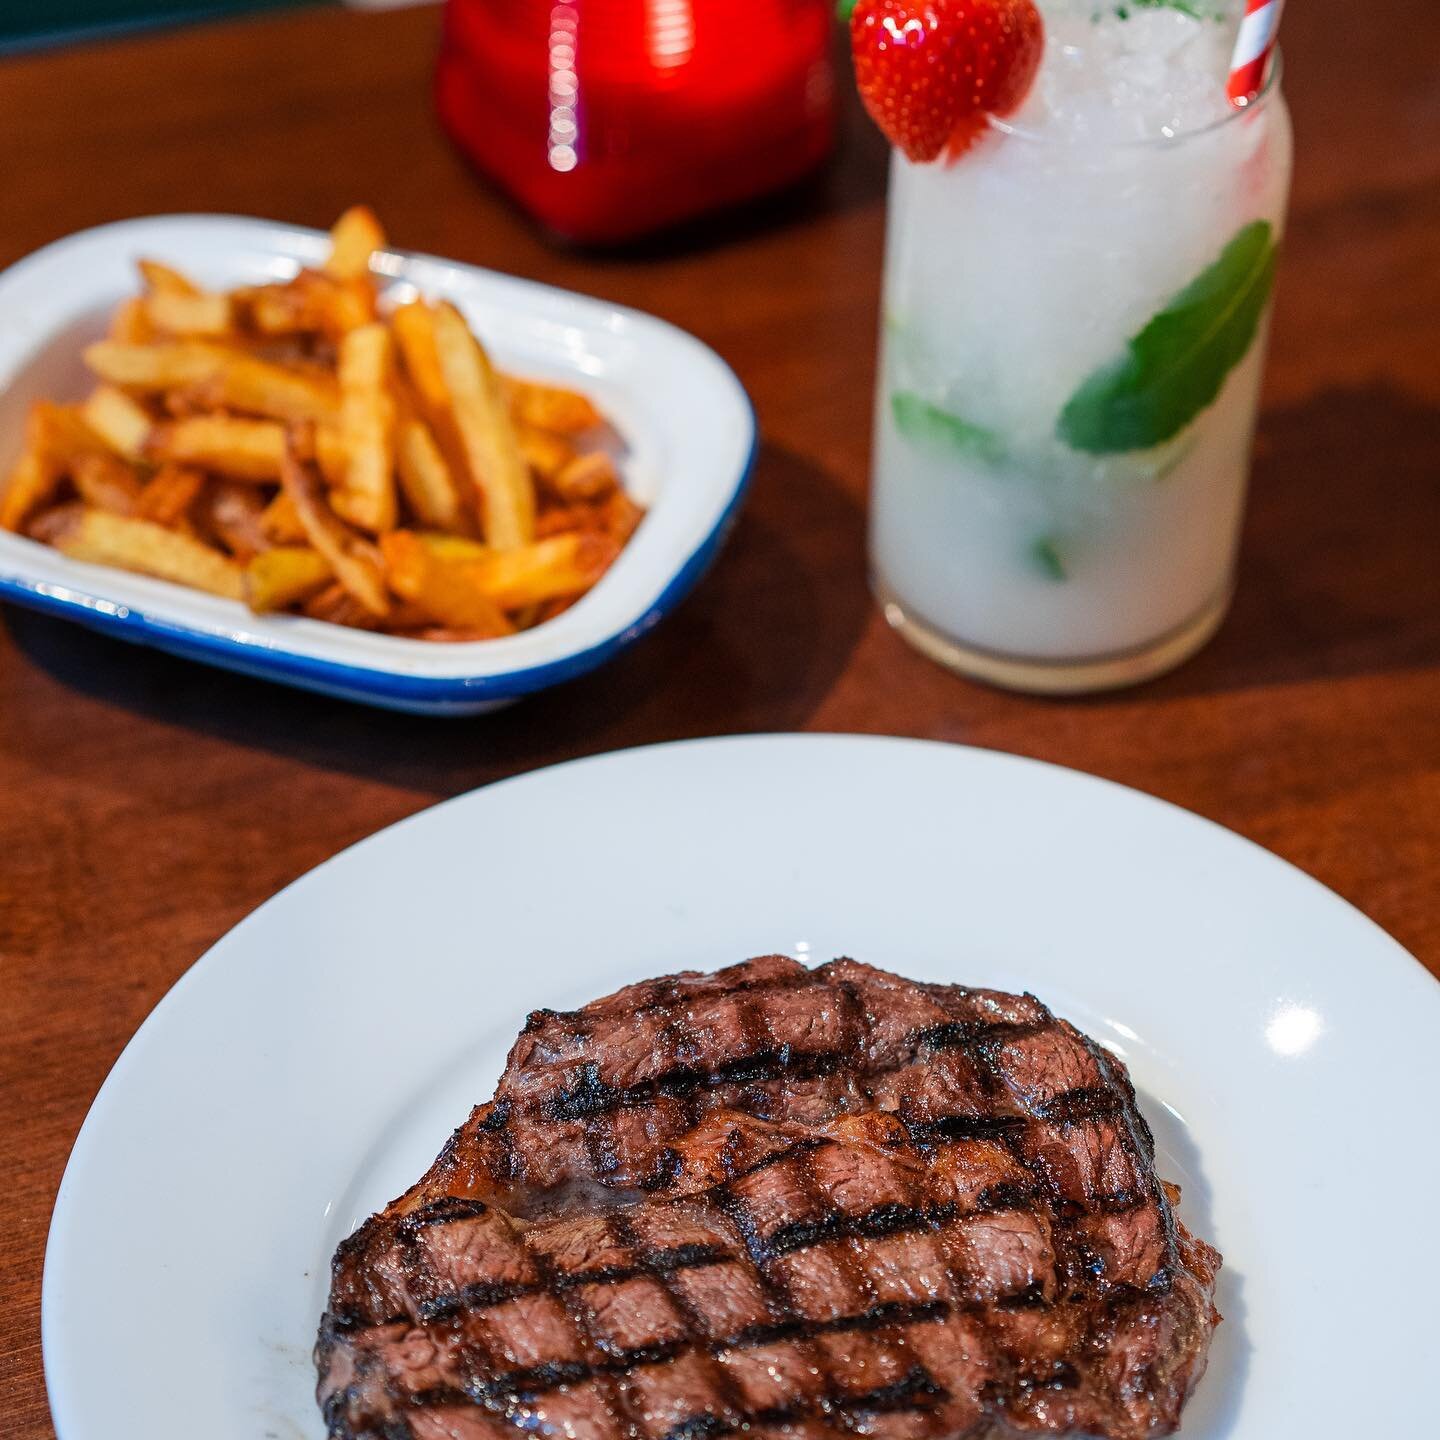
1254 46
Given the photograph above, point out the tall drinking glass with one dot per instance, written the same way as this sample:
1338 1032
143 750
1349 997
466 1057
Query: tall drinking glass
1073 338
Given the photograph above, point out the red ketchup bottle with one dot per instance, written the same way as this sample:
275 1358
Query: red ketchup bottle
608 119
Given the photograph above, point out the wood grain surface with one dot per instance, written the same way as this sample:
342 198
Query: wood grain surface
147 804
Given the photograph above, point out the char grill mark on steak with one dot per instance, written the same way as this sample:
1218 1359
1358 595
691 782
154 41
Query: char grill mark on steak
677 1220
589 1096
885 1220
752 1052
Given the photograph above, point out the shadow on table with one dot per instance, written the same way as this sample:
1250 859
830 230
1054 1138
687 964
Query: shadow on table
854 177
1338 569
755 648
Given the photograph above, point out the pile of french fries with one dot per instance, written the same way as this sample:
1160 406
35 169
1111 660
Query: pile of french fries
299 447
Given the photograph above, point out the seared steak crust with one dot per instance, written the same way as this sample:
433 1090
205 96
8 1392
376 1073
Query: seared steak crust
787 1202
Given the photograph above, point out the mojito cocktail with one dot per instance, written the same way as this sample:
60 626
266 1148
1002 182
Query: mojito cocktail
1073 332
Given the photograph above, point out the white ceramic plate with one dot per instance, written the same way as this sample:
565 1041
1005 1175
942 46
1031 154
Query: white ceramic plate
312 1064
685 420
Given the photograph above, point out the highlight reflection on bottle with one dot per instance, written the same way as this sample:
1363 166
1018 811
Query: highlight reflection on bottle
610 119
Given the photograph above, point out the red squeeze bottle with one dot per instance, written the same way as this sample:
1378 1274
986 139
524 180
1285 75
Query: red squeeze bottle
608 119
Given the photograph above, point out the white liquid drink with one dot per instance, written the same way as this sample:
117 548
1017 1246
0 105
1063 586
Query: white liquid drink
1074 322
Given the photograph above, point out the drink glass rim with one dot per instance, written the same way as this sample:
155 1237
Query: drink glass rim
1236 112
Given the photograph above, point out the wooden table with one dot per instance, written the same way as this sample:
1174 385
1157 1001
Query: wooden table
148 804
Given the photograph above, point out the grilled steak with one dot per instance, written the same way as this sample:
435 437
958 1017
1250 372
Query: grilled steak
782 1201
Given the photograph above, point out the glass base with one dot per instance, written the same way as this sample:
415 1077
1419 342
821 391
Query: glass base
1054 677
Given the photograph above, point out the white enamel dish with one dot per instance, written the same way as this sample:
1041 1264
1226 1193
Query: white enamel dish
686 421
312 1064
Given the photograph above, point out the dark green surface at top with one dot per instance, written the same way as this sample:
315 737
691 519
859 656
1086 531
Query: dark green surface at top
28 23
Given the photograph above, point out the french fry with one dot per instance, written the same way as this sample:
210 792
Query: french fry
563 519
169 493
268 389
550 407
281 522
546 453
353 559
164 279
265 389
229 378
344 306
159 366
551 608
331 455
512 579
48 525
337 606
107 482
426 480
562 565
311 304
617 516
366 498
622 516
150 549
414 327
174 312
181 404
122 423
60 432
278 309
34 478
128 325
423 392
283 576
243 449
451 547
258 387
231 512
353 238
174 304
441 587
486 432
348 304
54 436
586 477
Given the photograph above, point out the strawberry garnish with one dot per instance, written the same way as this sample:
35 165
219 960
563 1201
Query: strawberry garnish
930 71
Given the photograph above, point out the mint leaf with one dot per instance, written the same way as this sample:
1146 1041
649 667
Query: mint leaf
925 424
1183 6
843 9
1193 8
1048 560
1175 366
